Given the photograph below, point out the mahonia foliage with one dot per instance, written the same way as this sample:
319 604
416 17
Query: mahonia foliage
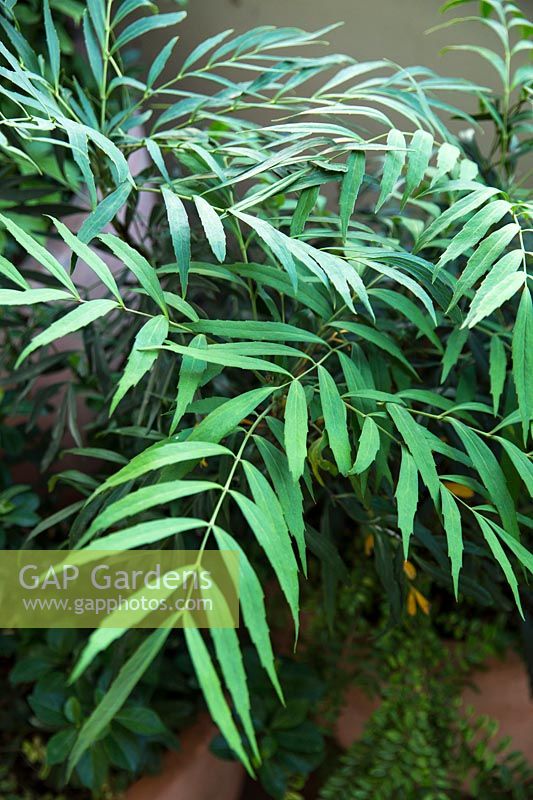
249 345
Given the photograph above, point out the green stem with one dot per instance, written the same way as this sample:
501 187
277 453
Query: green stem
105 60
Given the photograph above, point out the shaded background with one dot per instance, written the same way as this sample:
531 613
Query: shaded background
372 29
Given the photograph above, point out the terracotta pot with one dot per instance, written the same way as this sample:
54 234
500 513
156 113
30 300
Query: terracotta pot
501 691
192 773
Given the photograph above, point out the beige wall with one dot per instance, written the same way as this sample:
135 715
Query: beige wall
372 29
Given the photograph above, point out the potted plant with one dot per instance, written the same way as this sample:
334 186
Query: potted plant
270 370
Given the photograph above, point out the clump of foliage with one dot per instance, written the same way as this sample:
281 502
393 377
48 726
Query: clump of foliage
37 668
254 355
291 744
420 743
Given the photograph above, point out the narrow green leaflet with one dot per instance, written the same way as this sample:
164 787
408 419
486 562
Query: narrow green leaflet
343 276
502 282
521 461
482 259
278 244
523 360
140 361
118 163
497 370
39 253
410 311
490 473
407 498
226 357
227 417
127 7
14 297
288 491
52 41
191 373
446 160
474 230
392 168
145 533
96 10
454 534
180 233
306 202
229 657
143 271
252 600
335 420
146 24
409 283
213 228
459 210
161 455
141 500
255 330
9 271
159 63
368 447
175 301
204 47
500 556
414 437
296 429
524 556
351 183
265 518
104 212
454 348
98 265
78 318
378 338
213 694
419 155
117 694
157 157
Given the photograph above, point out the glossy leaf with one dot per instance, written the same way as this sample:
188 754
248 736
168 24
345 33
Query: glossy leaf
335 421
296 429
368 447
141 359
140 267
419 154
490 473
191 373
394 161
523 360
414 437
180 233
252 602
78 318
407 498
214 230
160 455
213 694
351 183
453 528
497 370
